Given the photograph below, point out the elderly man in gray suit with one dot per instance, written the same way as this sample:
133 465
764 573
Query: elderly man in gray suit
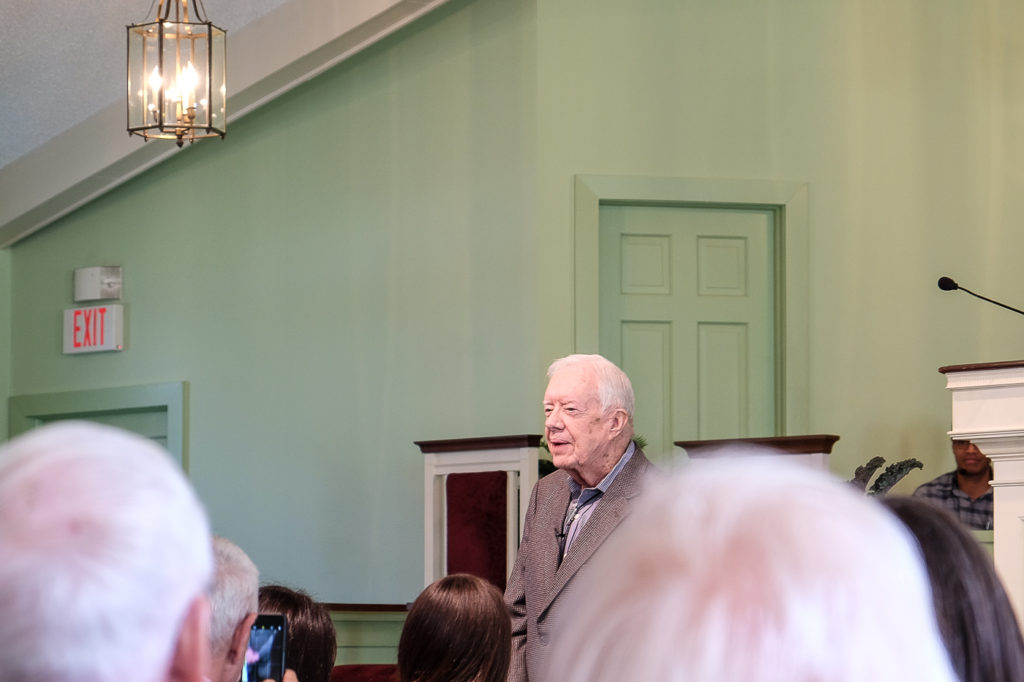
588 408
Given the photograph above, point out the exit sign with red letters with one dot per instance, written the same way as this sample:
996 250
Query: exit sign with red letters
99 328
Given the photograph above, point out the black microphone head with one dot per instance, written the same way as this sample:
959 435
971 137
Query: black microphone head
948 284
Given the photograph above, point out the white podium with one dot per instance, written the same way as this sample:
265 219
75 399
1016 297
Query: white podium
988 410
515 455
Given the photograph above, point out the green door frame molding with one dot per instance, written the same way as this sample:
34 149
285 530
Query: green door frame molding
28 411
788 200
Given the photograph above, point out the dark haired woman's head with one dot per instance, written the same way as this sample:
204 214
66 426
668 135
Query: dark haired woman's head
974 614
458 630
312 641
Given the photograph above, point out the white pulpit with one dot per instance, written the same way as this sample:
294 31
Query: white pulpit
515 456
988 410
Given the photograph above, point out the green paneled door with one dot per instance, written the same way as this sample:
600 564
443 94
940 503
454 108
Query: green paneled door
687 306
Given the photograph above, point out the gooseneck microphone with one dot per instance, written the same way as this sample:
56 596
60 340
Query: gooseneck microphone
949 284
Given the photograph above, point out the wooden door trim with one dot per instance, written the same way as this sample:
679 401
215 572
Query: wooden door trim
788 200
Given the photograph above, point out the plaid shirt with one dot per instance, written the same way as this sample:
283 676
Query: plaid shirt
944 491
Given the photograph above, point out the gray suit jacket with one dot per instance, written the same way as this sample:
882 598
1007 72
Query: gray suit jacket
538 584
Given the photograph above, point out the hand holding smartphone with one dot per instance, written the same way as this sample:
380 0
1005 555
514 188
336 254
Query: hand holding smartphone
265 658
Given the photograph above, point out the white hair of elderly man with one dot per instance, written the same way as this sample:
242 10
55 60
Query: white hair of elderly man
750 569
106 559
234 603
613 386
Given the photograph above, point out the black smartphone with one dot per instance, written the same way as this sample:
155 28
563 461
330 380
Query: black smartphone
264 659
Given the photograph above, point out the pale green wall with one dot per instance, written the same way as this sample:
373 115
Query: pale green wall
384 255
351 270
903 118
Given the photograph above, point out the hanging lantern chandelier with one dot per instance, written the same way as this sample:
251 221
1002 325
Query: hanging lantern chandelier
176 75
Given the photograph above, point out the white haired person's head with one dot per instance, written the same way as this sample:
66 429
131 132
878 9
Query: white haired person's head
104 559
588 416
234 603
751 569
613 386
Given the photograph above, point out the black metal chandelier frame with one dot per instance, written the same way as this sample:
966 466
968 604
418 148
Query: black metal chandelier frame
176 75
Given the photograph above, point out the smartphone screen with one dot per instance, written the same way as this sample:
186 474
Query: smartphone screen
264 659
